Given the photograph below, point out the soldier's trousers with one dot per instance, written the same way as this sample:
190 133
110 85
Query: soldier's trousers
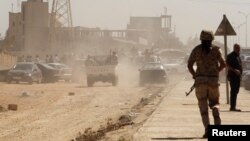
208 96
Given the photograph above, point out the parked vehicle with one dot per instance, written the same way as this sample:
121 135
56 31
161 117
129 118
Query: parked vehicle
65 72
246 80
25 72
101 68
153 73
246 66
49 73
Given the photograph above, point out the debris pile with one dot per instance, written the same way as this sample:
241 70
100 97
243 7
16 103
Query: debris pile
90 135
12 107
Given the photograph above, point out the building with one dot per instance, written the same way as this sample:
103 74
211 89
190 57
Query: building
33 30
15 31
148 29
30 28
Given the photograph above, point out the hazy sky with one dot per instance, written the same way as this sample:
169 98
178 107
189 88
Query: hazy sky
189 17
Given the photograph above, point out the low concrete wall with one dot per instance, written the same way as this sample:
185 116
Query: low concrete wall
7 60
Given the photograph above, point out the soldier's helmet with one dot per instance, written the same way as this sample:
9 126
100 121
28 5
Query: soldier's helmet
207 35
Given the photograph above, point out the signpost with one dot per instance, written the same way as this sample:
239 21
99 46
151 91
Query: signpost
225 29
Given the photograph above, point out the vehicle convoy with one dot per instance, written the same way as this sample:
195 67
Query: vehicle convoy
154 72
101 68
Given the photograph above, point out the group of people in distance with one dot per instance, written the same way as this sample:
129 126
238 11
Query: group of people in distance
108 60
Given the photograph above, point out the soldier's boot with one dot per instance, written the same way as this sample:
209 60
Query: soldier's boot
216 115
205 135
205 120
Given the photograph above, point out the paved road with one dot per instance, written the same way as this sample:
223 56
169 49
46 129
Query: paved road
178 118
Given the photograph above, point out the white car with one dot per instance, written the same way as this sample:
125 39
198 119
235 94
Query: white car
65 72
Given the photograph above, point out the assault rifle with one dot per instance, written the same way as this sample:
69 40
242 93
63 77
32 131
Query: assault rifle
191 89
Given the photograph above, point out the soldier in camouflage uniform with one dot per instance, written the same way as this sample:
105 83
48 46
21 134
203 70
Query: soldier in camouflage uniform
209 63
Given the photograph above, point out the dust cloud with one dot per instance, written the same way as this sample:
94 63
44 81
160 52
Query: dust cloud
128 74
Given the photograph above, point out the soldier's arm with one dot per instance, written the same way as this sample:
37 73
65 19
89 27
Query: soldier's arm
191 61
191 69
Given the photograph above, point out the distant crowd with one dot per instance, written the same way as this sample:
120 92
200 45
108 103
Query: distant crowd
66 59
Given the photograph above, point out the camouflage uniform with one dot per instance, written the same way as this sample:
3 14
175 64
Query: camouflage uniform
206 82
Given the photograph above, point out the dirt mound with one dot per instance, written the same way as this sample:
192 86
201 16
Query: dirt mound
90 135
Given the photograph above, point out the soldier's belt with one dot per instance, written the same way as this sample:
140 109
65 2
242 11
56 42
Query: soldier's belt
207 76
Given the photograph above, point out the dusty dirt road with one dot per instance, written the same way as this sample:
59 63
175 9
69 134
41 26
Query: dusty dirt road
47 112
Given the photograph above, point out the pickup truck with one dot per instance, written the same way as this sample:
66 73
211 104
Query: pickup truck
101 68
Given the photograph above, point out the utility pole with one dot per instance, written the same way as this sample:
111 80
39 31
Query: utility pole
60 18
165 19
18 6
12 7
61 14
238 29
246 16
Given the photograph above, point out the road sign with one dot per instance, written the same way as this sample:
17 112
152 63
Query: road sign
225 28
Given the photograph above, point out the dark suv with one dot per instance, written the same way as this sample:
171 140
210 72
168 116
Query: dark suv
153 73
24 72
